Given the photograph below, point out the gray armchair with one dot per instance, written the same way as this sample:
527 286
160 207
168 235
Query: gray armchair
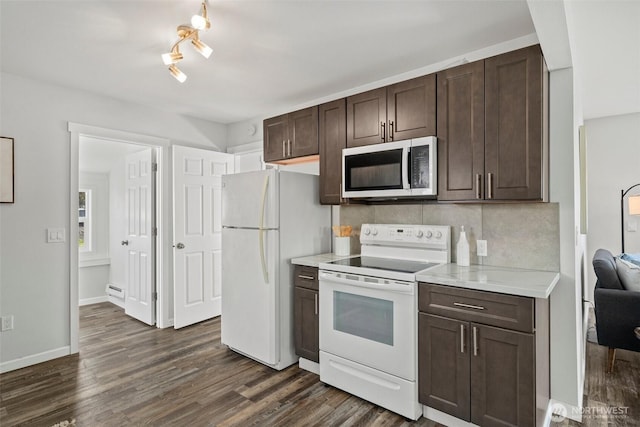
617 310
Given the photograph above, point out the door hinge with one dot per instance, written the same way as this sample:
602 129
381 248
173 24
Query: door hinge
154 167
154 231
154 296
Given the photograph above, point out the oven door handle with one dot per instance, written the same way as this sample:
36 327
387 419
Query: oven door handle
371 283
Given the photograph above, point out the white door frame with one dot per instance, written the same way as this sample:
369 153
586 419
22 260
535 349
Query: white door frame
163 220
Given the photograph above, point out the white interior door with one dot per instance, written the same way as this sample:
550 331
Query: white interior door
140 240
197 176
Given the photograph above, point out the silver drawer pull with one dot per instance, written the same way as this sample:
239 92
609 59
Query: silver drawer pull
475 307
302 276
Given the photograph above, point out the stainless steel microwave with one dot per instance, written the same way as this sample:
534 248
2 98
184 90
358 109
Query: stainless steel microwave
394 169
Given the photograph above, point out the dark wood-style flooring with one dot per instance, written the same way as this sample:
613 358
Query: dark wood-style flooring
130 374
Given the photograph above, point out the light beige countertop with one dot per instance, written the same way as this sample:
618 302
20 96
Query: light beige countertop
505 280
315 260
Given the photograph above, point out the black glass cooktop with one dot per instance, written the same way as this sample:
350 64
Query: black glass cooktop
401 265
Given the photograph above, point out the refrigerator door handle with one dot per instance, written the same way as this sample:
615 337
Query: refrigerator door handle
265 272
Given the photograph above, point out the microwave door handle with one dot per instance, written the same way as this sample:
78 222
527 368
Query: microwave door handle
406 163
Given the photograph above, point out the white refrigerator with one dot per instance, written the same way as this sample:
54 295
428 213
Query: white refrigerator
268 217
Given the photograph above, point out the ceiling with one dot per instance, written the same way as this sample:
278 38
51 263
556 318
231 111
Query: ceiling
268 55
272 55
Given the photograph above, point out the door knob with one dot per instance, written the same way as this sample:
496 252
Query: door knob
125 243
180 246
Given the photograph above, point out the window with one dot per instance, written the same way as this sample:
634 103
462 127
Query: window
84 221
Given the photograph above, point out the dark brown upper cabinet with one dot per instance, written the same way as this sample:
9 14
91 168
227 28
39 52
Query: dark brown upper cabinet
492 128
291 135
332 131
461 132
516 86
276 133
400 111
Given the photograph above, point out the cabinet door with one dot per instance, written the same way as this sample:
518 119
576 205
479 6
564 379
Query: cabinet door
275 136
411 108
503 389
461 132
332 130
306 325
303 132
443 365
514 125
367 118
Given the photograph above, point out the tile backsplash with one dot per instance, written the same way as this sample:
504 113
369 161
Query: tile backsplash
524 235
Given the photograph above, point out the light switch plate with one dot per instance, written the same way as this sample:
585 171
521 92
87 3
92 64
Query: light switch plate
55 235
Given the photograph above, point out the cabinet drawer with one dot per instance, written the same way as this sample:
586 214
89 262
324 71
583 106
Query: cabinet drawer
306 277
490 308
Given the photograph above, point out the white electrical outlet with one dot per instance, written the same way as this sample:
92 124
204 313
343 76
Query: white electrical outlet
7 323
482 247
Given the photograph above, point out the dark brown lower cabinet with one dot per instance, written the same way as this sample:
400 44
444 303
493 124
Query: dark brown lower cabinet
305 313
478 373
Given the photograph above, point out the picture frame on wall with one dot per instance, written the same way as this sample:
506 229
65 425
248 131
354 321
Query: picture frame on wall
6 170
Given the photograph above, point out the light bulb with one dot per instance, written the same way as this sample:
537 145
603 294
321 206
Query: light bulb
171 58
200 22
179 75
202 48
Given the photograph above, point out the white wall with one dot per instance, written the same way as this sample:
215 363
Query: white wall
93 273
613 164
34 275
565 301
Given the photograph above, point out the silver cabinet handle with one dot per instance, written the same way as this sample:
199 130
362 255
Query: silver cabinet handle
316 302
125 243
180 246
475 341
489 185
391 130
289 144
461 338
284 154
382 135
478 186
303 276
475 307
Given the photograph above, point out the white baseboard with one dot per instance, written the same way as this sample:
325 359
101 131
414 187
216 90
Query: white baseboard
34 359
117 301
309 365
445 419
94 300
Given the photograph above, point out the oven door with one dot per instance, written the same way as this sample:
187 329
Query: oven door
370 321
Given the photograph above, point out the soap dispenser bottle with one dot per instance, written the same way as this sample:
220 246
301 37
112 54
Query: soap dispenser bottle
462 249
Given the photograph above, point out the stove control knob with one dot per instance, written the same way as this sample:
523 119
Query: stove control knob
429 234
366 231
438 234
375 232
419 234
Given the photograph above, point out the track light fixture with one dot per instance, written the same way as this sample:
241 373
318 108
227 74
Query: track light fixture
186 32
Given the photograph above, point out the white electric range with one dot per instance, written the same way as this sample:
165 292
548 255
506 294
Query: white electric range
368 320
